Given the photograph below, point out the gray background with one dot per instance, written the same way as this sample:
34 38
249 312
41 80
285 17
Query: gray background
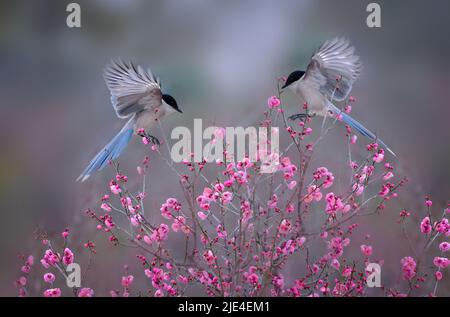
220 59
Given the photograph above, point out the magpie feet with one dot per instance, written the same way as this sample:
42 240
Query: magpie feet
150 138
153 139
300 116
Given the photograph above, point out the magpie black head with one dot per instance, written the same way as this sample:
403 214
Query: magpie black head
168 99
293 77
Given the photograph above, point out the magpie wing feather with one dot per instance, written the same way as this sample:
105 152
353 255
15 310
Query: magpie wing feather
132 88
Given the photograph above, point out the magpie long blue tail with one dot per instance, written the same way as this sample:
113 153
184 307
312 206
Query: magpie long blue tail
358 126
110 152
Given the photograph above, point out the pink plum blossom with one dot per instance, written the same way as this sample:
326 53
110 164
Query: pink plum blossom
273 102
52 292
425 225
49 277
86 292
366 250
408 268
441 262
444 246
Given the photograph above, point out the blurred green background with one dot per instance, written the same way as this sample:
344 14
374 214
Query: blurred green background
220 59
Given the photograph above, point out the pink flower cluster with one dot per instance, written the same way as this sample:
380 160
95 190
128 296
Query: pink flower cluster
443 227
366 250
322 174
441 262
86 292
158 235
273 102
334 205
52 292
287 168
425 225
162 281
22 282
49 277
68 256
50 259
336 246
252 277
409 267
170 208
217 194
285 226
242 232
314 194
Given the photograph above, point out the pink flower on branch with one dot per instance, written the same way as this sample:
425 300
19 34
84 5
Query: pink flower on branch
273 102
86 292
409 267
366 250
239 232
441 262
49 277
52 292
425 225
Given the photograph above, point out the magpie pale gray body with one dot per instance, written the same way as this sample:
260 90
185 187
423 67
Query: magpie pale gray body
329 77
136 96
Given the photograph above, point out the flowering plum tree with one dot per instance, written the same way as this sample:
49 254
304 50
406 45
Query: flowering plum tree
241 231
